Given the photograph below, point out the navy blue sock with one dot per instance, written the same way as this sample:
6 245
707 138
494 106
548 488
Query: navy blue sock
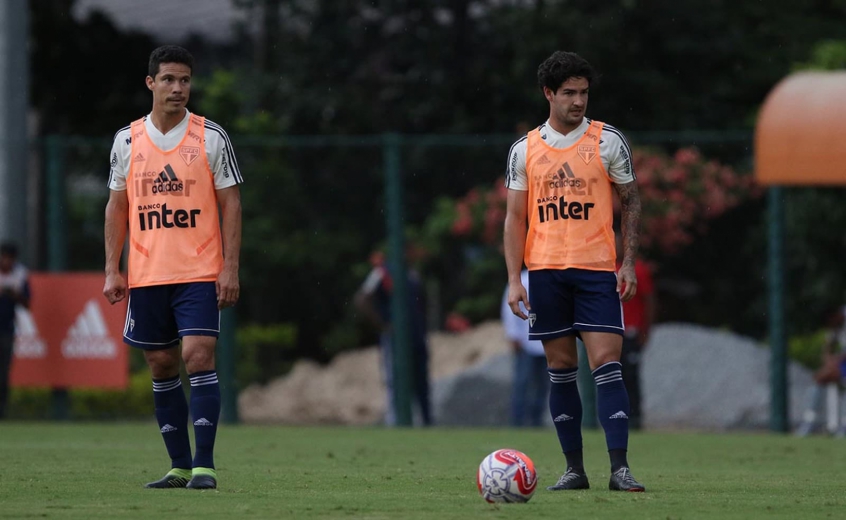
565 405
205 410
172 416
612 406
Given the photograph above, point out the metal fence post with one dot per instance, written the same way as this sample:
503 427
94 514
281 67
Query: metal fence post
226 361
778 343
400 322
57 246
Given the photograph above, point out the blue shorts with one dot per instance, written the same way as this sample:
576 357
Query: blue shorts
566 302
158 316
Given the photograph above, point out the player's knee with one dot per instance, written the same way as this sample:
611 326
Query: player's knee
163 363
198 356
561 360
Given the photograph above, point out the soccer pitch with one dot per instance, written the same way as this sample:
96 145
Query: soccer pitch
97 470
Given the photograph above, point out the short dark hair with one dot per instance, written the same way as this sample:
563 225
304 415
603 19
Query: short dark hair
560 67
169 54
8 249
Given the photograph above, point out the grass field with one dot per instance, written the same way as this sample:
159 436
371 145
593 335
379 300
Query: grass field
97 470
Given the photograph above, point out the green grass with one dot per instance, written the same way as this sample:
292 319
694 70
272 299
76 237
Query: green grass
97 470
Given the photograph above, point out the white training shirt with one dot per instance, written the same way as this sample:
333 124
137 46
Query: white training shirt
516 328
219 152
614 151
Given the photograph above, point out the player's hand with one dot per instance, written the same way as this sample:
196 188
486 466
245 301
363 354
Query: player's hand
626 283
516 294
228 289
115 288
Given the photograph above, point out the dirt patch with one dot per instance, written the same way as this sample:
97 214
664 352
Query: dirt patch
349 390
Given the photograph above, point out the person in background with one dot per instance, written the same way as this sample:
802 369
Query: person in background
14 291
832 371
638 315
530 389
373 300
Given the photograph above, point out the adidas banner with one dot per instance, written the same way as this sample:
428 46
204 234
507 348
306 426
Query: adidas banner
70 337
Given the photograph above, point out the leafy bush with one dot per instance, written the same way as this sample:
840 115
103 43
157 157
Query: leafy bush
807 349
136 402
264 352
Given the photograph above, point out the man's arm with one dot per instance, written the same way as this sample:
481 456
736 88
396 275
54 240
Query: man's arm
228 286
514 244
365 304
630 227
117 211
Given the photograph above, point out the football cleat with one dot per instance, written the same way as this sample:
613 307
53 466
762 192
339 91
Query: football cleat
622 480
571 480
175 478
203 478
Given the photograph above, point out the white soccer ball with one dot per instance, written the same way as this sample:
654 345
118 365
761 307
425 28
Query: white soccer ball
507 476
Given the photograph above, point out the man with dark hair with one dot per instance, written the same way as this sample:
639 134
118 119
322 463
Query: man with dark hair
559 222
14 290
373 300
174 181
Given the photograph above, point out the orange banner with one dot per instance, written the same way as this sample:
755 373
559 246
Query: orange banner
70 337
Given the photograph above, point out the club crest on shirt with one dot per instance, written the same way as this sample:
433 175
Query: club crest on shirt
587 152
189 153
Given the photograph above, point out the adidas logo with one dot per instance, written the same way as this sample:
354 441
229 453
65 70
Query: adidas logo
88 337
532 319
167 175
168 428
619 415
167 182
543 160
565 171
138 158
28 343
202 421
563 417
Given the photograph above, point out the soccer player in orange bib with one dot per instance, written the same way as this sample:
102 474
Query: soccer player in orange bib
559 222
174 183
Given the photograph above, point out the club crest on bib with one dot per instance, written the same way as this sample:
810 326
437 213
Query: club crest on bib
189 153
587 152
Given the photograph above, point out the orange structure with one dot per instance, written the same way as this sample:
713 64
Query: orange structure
799 138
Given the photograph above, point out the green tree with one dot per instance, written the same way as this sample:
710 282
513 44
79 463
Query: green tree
88 76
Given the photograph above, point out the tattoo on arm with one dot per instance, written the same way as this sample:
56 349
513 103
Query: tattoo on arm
630 220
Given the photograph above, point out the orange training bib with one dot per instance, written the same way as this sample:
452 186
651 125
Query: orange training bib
570 207
174 223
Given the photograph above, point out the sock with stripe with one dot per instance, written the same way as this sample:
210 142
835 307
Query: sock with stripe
612 406
565 406
172 416
205 410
